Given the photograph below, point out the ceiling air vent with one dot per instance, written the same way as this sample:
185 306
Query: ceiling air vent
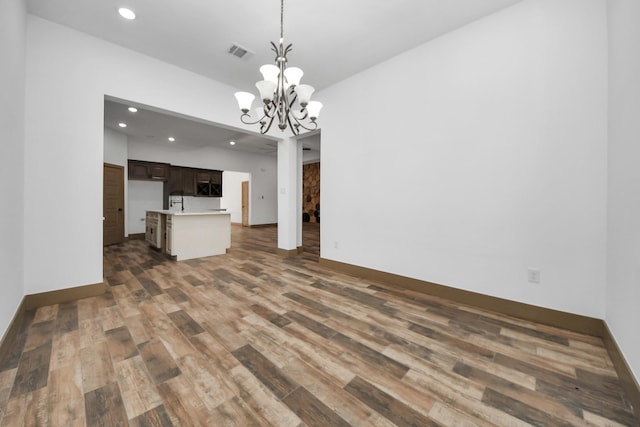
239 51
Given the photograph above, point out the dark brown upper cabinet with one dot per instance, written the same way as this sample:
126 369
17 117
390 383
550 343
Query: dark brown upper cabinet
178 180
208 183
181 181
189 181
148 171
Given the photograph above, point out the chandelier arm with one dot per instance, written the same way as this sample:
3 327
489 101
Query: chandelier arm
294 129
299 122
276 50
303 117
262 129
292 111
270 112
293 99
283 105
247 122
315 126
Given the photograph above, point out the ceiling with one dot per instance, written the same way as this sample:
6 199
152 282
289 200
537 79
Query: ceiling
153 125
332 40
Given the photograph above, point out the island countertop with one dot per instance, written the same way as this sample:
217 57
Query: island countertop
181 213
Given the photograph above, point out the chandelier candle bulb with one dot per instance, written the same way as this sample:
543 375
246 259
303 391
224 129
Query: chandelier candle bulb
282 95
245 99
293 76
266 89
270 73
313 108
304 93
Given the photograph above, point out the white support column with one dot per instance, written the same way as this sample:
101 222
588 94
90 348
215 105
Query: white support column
287 196
299 203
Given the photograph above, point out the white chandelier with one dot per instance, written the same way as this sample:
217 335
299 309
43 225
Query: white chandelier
282 94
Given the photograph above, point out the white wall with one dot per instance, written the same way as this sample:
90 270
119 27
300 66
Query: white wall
115 153
115 147
232 193
623 266
195 203
69 73
476 156
143 196
263 170
12 101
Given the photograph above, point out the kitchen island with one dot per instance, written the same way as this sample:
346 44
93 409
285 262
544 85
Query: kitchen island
190 234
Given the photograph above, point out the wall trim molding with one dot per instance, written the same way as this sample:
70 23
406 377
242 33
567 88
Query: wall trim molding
136 236
275 224
547 316
290 253
60 296
34 301
629 382
560 319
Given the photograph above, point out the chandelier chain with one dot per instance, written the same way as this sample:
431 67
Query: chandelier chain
282 19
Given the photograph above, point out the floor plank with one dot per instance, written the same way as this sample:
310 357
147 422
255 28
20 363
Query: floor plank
311 410
269 374
394 410
104 406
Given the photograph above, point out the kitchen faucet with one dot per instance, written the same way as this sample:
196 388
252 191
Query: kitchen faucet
181 202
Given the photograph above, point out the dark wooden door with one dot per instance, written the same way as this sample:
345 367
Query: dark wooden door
245 203
113 205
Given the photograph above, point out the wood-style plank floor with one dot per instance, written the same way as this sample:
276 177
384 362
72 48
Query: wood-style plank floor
252 339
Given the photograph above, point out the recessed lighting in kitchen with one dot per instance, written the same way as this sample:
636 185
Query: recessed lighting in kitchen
232 143
122 125
171 139
127 13
133 109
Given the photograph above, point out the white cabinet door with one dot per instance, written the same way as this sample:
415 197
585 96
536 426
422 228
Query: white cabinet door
152 229
169 234
147 228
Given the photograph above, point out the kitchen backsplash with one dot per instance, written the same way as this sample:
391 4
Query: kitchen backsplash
193 203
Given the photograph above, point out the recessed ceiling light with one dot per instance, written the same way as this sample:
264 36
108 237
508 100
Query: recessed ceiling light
133 109
122 125
127 13
172 139
232 142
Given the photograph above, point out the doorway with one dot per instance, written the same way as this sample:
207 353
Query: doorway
113 205
245 203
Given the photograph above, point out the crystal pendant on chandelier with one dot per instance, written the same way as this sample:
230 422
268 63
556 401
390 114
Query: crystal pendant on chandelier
282 95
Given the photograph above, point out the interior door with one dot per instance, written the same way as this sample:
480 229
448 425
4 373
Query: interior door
113 205
245 203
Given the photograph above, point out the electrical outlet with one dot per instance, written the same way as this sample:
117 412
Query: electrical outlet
534 275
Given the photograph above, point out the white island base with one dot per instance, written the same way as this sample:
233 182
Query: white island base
197 234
